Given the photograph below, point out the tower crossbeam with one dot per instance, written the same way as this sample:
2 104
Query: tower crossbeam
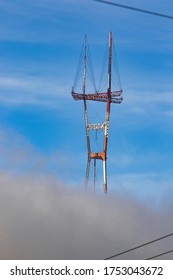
96 126
115 96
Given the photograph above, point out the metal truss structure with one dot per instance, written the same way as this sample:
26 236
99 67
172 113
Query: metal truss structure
108 97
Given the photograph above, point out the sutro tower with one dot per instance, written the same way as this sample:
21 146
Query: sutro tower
108 97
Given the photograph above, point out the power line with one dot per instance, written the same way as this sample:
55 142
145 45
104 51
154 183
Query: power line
134 9
137 247
165 253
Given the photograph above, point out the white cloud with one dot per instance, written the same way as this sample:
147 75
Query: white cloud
19 156
144 109
41 219
21 90
40 21
148 98
148 186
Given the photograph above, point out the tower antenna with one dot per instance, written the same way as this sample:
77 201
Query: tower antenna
108 97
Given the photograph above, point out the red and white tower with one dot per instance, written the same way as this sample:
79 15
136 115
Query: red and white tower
108 97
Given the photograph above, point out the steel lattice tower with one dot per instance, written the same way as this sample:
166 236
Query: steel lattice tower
108 97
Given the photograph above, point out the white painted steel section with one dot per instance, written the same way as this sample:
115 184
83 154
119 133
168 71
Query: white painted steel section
96 126
104 173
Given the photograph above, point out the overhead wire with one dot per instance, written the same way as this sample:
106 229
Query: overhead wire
139 246
134 9
162 254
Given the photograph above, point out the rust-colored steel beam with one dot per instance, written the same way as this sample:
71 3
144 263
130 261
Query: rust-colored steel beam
115 97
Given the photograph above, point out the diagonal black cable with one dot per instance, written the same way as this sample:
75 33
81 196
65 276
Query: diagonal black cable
165 253
137 247
134 9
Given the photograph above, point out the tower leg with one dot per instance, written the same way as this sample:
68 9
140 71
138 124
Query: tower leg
94 172
104 177
87 172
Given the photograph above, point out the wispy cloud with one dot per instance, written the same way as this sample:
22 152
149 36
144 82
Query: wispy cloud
40 21
21 157
147 187
25 89
144 108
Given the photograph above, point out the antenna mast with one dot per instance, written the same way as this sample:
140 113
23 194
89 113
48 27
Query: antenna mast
109 97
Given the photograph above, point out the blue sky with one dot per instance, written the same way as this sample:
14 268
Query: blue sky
42 128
